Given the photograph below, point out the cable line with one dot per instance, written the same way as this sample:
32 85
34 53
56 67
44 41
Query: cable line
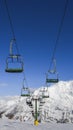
12 29
59 32
11 25
25 79
53 61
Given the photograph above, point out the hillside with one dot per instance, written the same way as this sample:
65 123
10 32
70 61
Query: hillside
57 105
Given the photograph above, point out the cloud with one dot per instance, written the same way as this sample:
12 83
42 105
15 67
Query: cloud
3 84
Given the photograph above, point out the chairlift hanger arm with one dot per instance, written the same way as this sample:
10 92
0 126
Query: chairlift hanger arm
53 71
11 25
11 46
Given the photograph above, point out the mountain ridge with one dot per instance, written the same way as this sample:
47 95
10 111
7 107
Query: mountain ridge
58 107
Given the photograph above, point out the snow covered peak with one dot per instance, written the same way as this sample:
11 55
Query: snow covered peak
58 103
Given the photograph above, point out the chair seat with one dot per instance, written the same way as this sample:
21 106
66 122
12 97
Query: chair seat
16 70
52 80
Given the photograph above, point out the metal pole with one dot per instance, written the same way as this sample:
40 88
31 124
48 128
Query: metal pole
36 113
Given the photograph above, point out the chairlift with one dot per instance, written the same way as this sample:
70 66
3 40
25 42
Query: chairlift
52 72
14 60
25 91
29 101
44 94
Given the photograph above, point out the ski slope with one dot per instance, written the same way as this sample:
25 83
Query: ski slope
58 105
6 124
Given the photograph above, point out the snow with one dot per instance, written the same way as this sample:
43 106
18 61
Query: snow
60 99
56 111
6 124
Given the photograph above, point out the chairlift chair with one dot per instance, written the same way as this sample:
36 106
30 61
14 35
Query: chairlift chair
14 59
25 90
52 80
52 72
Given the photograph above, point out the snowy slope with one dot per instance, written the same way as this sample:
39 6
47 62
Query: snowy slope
6 124
60 102
58 107
14 108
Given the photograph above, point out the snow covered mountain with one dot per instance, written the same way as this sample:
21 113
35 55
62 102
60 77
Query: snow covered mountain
55 106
